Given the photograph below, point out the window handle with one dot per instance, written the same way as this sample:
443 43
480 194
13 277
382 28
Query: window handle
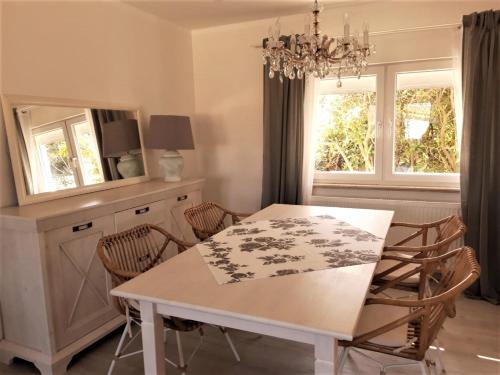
389 128
74 162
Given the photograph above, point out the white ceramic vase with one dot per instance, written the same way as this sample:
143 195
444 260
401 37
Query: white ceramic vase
172 164
130 166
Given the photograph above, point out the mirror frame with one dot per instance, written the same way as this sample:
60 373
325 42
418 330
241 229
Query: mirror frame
10 101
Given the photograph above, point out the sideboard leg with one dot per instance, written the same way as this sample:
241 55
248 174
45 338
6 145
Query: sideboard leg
6 358
57 368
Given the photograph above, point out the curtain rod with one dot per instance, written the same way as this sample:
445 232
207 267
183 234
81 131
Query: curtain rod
419 28
407 30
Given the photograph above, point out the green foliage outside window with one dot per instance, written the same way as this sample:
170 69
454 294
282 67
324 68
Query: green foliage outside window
436 150
346 132
60 168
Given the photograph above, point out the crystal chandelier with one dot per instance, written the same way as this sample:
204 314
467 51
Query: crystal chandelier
316 54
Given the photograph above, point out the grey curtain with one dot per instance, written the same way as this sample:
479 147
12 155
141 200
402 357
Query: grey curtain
100 117
480 159
283 138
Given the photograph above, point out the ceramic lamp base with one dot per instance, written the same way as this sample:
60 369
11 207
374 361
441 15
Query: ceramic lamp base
129 166
172 164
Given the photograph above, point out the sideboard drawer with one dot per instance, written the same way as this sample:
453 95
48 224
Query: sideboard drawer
151 213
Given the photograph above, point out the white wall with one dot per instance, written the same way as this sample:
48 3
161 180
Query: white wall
228 81
7 190
101 51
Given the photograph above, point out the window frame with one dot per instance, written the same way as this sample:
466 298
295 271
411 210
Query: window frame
42 129
384 136
450 180
362 177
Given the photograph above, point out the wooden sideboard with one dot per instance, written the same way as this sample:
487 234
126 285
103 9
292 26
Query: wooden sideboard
54 291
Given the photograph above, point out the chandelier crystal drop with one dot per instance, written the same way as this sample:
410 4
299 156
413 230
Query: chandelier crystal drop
316 54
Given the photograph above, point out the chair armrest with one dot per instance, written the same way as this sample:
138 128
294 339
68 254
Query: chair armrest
183 245
394 302
435 259
407 225
422 225
126 274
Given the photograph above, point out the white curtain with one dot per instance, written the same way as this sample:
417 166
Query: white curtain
457 65
310 102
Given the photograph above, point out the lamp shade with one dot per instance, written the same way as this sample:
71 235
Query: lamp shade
170 133
120 137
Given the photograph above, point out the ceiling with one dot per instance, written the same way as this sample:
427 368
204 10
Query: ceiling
198 14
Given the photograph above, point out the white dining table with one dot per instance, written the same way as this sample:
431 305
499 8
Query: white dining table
317 308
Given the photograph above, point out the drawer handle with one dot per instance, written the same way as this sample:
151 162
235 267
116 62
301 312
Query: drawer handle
78 228
141 211
182 198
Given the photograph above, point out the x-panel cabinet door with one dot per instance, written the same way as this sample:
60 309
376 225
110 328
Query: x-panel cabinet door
79 285
175 208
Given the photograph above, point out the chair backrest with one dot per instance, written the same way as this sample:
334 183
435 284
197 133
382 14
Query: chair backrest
206 219
459 270
447 230
134 251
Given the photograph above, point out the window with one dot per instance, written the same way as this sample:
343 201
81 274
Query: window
66 155
396 125
425 134
87 151
55 159
346 135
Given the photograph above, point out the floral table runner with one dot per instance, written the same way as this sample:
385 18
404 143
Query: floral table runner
269 248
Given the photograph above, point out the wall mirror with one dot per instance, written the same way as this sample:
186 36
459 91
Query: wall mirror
61 148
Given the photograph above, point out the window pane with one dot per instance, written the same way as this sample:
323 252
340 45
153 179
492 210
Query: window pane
55 160
426 134
345 128
88 153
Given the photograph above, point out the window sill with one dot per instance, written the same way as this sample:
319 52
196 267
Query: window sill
438 189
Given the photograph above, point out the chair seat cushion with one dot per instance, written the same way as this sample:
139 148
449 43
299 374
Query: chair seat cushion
385 264
376 316
178 324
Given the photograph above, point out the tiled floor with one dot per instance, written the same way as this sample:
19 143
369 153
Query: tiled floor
475 331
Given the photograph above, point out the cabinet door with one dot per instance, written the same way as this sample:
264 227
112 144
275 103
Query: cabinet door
79 285
152 213
175 208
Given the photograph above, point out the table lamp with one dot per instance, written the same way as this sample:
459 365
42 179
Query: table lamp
119 139
170 133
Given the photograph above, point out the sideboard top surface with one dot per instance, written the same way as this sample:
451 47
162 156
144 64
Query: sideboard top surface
66 206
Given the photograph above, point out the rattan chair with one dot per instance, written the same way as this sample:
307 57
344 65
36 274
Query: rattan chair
126 255
393 272
209 218
407 327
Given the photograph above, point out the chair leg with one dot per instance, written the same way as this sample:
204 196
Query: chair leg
343 358
119 347
424 367
182 364
230 342
439 358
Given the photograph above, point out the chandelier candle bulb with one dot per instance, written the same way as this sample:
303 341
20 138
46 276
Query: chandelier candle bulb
346 26
365 35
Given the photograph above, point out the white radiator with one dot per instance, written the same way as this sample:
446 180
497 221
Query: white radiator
404 211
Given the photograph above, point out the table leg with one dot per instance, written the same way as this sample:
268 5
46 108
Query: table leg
325 353
152 340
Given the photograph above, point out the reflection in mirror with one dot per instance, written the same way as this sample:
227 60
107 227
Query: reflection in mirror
62 147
